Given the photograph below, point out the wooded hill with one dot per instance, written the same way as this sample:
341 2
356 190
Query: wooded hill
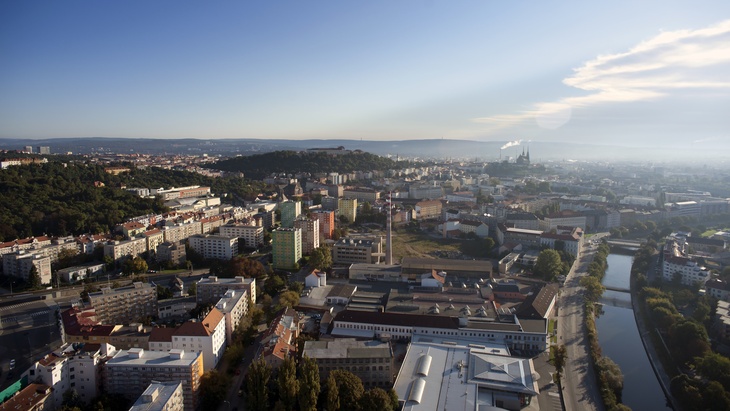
62 199
261 165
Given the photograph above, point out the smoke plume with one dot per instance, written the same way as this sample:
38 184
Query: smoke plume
511 143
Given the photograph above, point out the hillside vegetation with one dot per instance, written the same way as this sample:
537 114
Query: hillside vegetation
62 199
261 165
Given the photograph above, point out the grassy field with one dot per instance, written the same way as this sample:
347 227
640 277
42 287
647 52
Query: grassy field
420 245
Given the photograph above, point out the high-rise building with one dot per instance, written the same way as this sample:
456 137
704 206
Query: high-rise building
290 210
28 149
348 208
214 246
326 222
310 234
287 247
252 235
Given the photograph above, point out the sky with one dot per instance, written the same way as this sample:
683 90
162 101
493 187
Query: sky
622 72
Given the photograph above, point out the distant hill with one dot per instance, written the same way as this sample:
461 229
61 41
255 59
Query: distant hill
287 161
429 149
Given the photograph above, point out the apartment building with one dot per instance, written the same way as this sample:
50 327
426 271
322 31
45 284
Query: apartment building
565 218
310 234
347 207
174 252
130 372
290 210
20 263
362 195
181 192
154 238
425 191
234 306
160 396
252 235
131 229
677 263
371 361
428 209
207 336
211 289
280 339
287 247
120 250
326 222
125 305
570 237
181 232
352 251
210 224
214 246
34 397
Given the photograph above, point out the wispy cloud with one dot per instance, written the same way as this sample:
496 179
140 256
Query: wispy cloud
661 66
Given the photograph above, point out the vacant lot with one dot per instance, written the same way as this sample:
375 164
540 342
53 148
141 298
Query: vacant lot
419 245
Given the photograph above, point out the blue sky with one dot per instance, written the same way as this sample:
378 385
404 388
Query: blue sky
631 73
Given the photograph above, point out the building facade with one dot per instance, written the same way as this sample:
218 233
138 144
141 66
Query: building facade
310 234
287 247
214 246
125 305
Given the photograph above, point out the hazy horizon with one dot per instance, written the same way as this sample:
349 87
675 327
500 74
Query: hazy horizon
622 74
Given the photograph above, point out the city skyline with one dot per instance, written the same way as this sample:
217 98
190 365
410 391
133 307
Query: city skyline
625 74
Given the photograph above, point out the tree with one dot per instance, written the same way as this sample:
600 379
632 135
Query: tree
34 279
321 258
213 389
193 289
376 399
245 267
273 285
287 383
548 265
560 356
715 367
139 265
610 372
257 386
349 387
333 393
289 299
394 399
594 288
309 385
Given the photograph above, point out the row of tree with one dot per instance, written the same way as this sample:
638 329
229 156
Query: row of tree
298 387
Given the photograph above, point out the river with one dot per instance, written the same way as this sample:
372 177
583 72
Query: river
620 341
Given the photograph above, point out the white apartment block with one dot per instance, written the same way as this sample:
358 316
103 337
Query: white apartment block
130 372
207 336
212 288
119 250
676 263
252 235
154 238
175 233
160 396
310 234
214 246
181 192
78 273
20 263
234 306
124 305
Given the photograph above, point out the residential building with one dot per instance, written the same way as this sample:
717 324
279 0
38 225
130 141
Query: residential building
315 279
310 234
120 250
563 218
479 229
181 192
371 361
528 238
290 210
425 191
154 238
347 207
178 308
280 339
211 289
721 322
210 224
428 209
362 195
351 251
207 336
326 222
252 235
677 263
131 229
234 306
125 305
160 396
134 335
174 252
181 232
287 247
20 263
34 397
571 239
130 372
78 273
44 150
718 289
330 203
214 246
528 221
472 376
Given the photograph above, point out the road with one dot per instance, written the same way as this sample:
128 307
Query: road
580 391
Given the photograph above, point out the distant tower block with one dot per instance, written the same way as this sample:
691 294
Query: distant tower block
389 234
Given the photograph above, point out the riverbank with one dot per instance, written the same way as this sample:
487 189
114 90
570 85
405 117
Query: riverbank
653 356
